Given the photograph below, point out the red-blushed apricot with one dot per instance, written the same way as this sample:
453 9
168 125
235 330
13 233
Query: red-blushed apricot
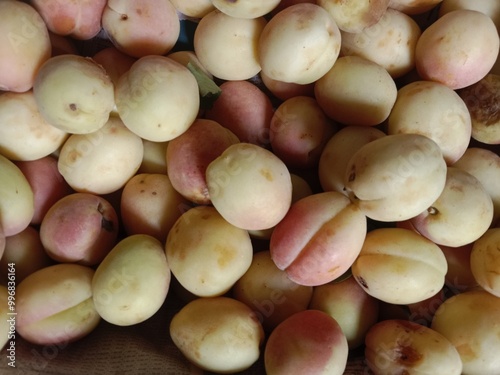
114 62
353 309
308 342
141 28
249 186
80 228
150 205
299 131
401 347
25 45
245 110
319 238
189 155
54 305
47 184
458 49
286 90
75 18
471 322
269 292
26 251
218 334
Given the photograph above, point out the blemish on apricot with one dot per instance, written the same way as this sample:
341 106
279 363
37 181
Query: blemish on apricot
267 174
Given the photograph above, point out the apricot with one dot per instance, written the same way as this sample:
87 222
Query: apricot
25 45
399 266
24 133
17 201
475 332
54 305
319 238
122 292
78 19
80 228
398 346
218 334
458 59
149 204
47 184
207 254
249 186
141 28
308 342
244 109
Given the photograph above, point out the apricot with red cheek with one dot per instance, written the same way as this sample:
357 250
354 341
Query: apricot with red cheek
80 228
46 182
308 342
151 28
78 19
458 49
286 90
299 131
319 238
24 45
150 205
189 155
245 110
